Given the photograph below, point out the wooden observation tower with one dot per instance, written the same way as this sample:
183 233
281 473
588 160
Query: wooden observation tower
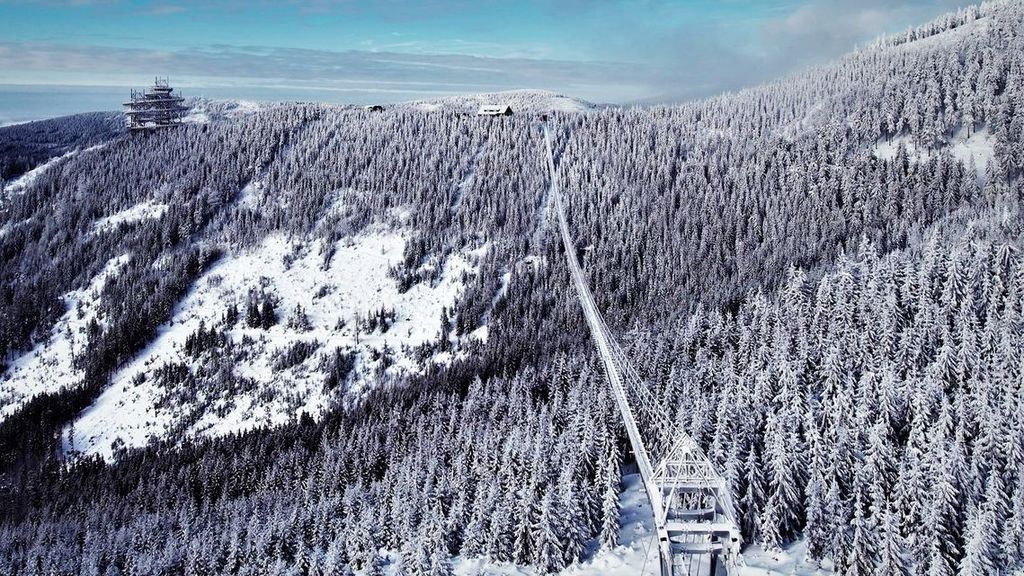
155 107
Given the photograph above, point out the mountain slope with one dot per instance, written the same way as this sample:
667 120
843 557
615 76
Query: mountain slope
806 264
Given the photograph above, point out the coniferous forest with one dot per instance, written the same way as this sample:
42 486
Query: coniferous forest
821 277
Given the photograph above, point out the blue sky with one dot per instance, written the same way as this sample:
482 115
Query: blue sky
387 50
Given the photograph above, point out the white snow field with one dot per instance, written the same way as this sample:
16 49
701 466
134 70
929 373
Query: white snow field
49 366
519 100
136 407
977 148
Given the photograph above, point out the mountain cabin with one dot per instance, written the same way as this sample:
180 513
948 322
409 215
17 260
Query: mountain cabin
494 110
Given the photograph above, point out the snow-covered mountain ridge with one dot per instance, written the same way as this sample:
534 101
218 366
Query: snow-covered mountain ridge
520 100
203 110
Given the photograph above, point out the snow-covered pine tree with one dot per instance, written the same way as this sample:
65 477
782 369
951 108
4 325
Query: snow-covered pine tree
753 500
983 549
1013 528
891 545
548 552
816 529
862 557
609 532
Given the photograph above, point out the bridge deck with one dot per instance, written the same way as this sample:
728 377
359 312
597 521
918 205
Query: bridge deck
685 469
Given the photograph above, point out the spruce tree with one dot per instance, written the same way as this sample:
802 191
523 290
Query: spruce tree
892 547
863 553
983 554
816 530
609 535
548 553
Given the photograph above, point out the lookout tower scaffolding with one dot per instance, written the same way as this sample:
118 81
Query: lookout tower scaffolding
155 107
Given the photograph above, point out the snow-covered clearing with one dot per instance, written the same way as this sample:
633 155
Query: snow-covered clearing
792 562
337 302
203 110
247 107
196 116
250 194
142 211
978 147
49 366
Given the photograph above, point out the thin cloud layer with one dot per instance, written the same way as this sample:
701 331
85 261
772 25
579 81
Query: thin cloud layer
384 72
656 50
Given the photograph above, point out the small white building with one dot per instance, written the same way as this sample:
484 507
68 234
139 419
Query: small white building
494 110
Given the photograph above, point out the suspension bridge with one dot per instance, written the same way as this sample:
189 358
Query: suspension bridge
694 519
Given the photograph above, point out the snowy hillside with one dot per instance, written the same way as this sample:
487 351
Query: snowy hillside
26 180
351 307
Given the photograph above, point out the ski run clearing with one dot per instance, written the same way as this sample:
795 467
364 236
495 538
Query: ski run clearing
143 211
22 183
138 406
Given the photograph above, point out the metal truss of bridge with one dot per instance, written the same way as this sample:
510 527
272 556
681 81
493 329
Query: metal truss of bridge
693 513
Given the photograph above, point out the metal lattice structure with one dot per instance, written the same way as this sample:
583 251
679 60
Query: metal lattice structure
694 516
155 107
